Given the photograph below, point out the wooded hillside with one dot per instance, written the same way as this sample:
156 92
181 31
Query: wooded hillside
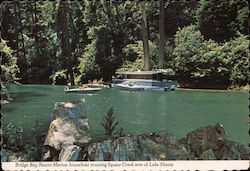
65 42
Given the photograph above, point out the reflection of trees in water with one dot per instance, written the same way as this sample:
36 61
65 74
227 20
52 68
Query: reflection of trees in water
7 109
23 96
19 97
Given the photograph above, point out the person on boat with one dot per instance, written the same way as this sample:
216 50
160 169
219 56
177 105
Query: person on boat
83 86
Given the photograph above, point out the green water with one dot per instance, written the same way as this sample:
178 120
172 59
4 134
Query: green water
177 112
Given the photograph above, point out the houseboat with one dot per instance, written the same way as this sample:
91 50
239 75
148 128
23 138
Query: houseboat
144 80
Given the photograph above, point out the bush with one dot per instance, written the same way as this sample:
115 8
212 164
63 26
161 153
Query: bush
13 137
109 124
59 77
34 146
88 68
134 56
239 60
207 62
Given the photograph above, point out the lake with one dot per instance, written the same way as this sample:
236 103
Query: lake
177 112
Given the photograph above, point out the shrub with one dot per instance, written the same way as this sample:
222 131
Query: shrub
59 77
133 59
13 137
109 123
207 62
34 146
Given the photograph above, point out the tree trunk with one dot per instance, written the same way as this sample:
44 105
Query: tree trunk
66 49
162 35
144 28
21 60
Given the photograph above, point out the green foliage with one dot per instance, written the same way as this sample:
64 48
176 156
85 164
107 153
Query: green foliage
8 63
88 69
13 137
134 56
220 20
9 69
59 77
208 62
189 43
34 146
91 39
109 123
239 60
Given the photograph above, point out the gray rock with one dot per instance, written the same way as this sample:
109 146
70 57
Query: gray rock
70 153
207 155
69 126
12 156
204 138
151 146
232 151
4 155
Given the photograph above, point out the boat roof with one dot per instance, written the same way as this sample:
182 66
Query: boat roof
140 72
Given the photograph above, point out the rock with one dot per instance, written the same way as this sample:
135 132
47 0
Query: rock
12 156
232 151
153 146
207 155
204 138
4 155
178 152
69 126
70 153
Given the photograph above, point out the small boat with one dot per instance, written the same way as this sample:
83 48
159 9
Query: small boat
81 90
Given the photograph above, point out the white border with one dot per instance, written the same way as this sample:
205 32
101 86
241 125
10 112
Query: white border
129 165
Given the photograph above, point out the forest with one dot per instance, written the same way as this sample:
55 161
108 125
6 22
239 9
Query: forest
205 43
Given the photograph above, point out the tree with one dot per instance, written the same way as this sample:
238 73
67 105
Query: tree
12 30
188 44
207 63
220 20
63 31
103 55
144 28
9 68
162 34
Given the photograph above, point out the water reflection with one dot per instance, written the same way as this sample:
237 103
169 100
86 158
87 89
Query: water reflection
24 96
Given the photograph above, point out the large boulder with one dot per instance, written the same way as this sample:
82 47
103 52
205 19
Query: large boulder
69 126
204 138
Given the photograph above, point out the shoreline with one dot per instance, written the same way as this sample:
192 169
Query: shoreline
211 90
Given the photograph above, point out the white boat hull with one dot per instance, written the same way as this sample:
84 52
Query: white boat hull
79 90
143 88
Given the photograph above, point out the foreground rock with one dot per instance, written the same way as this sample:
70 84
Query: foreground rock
205 143
9 155
138 148
68 131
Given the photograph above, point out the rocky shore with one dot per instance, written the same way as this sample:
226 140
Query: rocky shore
205 143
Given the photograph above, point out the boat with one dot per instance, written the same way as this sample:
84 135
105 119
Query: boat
144 81
131 86
81 90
